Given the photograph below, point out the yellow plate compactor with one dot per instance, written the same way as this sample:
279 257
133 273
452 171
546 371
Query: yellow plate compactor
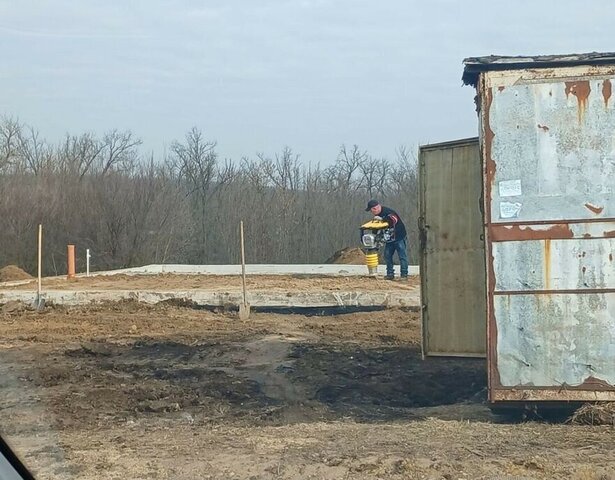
374 234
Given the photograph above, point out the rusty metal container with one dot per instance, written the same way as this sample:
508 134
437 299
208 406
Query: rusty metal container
547 138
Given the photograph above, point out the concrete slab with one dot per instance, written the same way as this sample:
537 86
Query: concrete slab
227 299
255 269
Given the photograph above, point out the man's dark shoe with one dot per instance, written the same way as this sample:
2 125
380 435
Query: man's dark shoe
389 277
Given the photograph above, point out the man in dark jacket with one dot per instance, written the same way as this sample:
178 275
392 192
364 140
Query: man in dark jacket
396 241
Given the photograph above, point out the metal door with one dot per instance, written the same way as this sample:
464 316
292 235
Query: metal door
452 257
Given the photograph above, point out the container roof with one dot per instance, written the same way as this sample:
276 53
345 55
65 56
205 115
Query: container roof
450 143
473 66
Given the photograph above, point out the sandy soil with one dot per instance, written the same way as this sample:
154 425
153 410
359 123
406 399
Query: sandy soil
223 283
125 391
13 272
347 256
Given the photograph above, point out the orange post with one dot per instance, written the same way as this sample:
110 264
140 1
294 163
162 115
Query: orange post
71 262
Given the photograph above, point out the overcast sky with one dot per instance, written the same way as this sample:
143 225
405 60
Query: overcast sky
258 75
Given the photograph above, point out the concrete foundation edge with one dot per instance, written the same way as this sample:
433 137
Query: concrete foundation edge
225 299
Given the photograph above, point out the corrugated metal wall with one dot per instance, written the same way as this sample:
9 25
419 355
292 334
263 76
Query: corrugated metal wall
549 146
452 253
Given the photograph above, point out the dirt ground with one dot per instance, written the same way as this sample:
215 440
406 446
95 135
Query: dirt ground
222 283
127 391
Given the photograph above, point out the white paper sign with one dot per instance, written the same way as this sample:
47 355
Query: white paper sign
510 188
509 209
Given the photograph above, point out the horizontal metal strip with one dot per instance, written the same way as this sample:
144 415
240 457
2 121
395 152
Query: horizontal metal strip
554 221
455 354
591 385
549 231
557 394
554 292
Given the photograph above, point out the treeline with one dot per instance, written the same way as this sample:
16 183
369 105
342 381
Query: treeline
102 193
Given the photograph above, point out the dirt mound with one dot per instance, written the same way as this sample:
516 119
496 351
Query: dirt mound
13 272
348 256
595 414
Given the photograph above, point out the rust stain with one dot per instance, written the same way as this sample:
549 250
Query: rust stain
587 235
501 88
547 261
544 128
581 90
493 376
493 379
596 383
607 90
489 134
609 234
593 208
501 233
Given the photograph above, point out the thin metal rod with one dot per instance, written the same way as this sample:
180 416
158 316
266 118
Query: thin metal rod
40 259
243 263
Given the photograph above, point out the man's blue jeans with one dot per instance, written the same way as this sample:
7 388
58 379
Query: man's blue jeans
390 248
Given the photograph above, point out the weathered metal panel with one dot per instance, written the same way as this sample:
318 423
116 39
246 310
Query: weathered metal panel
555 340
452 249
547 264
555 152
548 138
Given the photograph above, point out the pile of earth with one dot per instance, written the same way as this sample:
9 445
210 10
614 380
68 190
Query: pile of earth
348 256
13 272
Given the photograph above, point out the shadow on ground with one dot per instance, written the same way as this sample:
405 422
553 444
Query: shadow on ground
271 379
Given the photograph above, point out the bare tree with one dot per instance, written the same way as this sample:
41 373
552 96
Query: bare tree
35 153
403 177
347 165
374 175
285 172
9 141
195 162
77 155
118 148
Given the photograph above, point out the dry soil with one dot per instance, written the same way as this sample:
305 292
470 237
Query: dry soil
126 391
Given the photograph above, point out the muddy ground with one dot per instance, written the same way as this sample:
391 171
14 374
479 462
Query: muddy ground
125 391
170 281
